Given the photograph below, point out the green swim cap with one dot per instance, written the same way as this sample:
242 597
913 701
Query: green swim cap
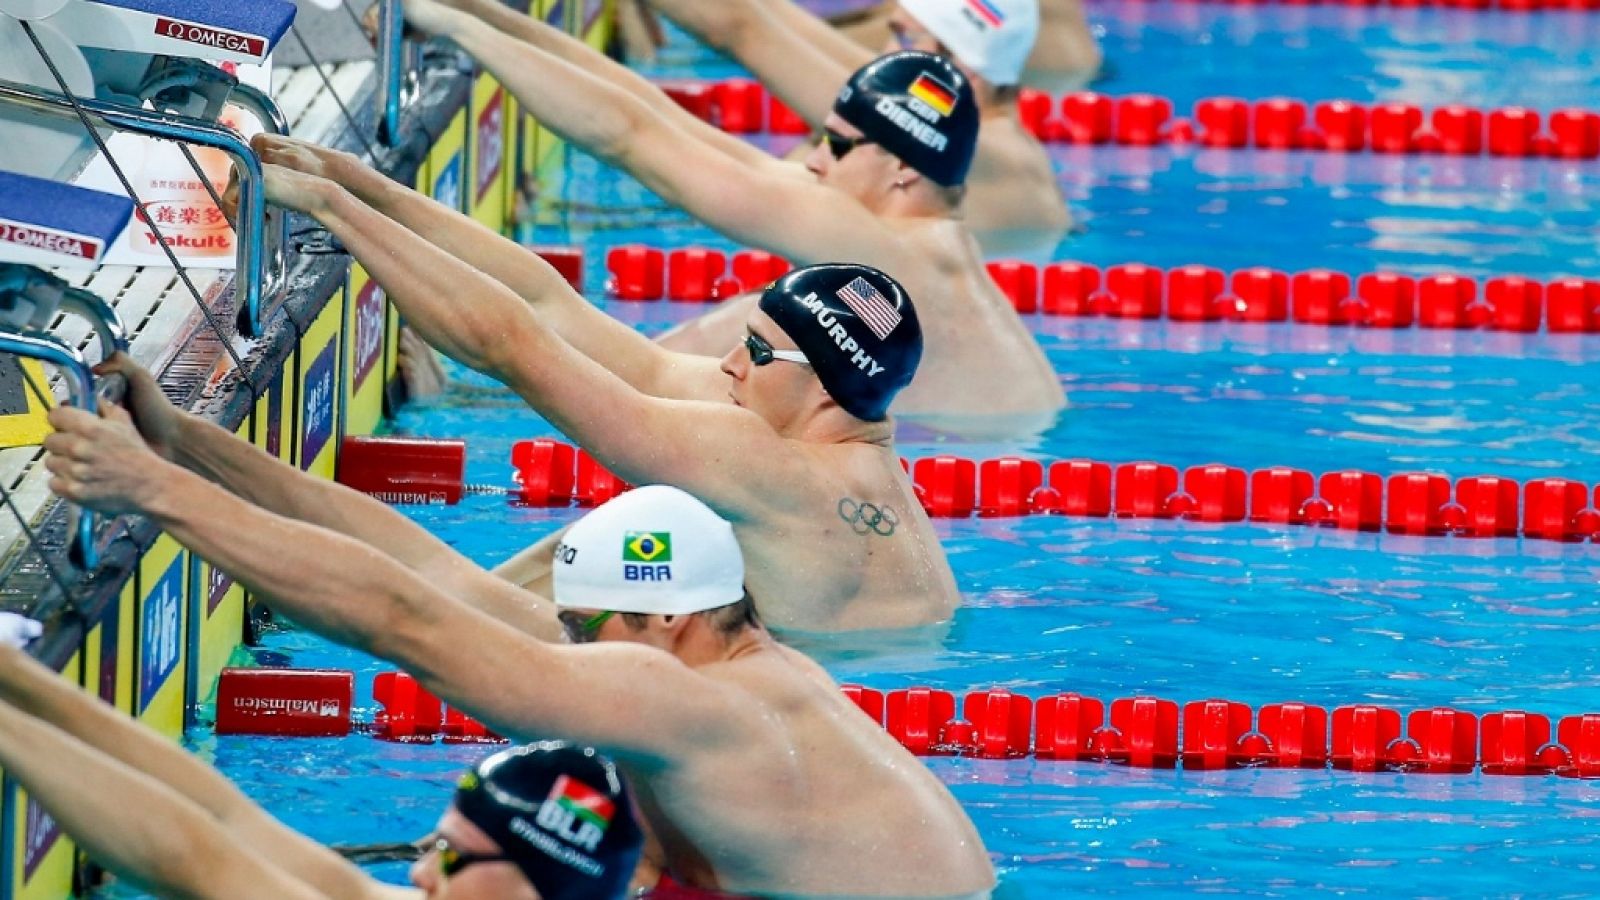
920 108
856 327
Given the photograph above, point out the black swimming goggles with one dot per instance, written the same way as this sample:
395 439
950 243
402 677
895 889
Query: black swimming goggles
452 860
839 145
762 353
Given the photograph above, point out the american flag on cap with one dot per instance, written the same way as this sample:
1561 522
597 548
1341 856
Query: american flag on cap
870 306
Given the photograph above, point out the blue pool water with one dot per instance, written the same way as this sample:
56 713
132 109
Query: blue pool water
1187 611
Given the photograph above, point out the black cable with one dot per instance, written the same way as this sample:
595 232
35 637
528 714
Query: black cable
354 16
349 119
183 274
200 173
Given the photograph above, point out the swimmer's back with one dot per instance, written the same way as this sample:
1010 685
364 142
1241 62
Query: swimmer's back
856 527
988 363
860 816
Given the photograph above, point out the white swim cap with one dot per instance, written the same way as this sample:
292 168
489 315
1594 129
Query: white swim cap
653 550
991 37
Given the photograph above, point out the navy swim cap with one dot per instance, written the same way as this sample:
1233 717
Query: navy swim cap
562 815
857 328
920 108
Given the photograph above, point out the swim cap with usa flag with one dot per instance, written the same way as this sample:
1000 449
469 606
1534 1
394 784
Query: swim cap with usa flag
918 107
856 327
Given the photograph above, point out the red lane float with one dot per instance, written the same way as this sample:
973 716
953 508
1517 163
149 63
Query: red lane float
404 469
1188 293
285 702
551 473
1198 293
1462 5
1153 732
740 106
998 723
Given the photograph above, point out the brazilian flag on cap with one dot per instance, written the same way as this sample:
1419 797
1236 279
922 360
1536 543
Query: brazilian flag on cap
647 546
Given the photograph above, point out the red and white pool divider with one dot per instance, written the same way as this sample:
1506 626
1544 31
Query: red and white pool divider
549 473
740 106
1143 732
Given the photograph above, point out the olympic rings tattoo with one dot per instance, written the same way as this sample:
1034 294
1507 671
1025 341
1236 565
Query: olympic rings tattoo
868 518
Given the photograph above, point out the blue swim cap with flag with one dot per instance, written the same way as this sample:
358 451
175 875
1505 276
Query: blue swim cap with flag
920 108
857 328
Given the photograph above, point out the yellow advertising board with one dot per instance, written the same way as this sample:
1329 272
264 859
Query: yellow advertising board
162 616
317 391
22 410
366 327
489 151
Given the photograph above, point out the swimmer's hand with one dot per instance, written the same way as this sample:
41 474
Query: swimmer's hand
101 462
17 631
230 198
301 156
155 416
431 17
297 190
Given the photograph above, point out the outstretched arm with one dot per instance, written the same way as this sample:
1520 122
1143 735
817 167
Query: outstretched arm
135 825
725 455
36 691
636 359
628 699
247 471
558 43
800 220
798 56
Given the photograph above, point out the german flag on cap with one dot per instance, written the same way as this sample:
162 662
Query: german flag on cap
940 97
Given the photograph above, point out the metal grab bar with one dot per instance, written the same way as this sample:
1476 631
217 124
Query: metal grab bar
80 387
250 223
392 70
29 300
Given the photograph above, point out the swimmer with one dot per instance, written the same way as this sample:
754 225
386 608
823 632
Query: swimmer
788 435
158 816
753 773
1014 201
883 191
1065 57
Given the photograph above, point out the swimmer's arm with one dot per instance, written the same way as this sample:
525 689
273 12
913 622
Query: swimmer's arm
554 41
636 359
531 566
251 473
38 692
796 55
633 702
803 221
628 699
728 457
135 825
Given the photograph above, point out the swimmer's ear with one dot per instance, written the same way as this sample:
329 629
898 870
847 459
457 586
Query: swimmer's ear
905 177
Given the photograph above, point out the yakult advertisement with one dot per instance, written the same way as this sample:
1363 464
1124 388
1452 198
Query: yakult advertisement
176 199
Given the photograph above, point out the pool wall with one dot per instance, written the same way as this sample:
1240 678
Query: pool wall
157 625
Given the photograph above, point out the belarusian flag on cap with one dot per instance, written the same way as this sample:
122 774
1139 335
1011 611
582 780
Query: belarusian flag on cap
583 801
